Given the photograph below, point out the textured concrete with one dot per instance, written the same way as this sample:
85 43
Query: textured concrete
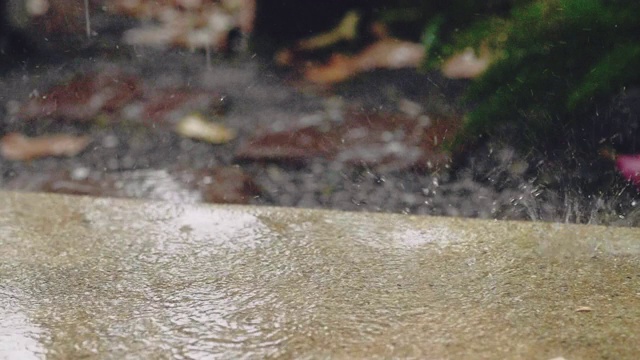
114 279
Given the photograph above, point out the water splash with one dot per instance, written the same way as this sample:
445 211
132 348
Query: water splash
570 205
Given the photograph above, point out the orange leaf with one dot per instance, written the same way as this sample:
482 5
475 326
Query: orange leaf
386 53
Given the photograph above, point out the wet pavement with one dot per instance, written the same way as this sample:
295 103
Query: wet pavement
104 278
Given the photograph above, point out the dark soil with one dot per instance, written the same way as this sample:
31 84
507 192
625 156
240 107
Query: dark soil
145 160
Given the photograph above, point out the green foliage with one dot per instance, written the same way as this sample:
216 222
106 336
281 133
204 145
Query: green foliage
617 67
555 60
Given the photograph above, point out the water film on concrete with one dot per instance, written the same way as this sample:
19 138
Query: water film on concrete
115 279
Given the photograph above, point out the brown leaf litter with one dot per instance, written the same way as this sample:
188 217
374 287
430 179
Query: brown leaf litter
228 184
386 142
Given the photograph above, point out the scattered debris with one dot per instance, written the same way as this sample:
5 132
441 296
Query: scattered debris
194 126
15 146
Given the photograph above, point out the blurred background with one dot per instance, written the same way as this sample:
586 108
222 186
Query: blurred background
505 109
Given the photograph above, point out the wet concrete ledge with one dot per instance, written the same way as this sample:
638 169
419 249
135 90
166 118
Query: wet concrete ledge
102 278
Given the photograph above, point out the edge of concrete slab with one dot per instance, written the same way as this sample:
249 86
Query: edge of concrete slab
109 278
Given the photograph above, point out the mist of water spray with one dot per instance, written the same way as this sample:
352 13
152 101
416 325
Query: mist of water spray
570 205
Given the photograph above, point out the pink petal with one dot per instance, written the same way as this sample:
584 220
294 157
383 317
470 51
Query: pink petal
629 167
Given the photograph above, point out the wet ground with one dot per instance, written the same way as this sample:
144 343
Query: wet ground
81 280
352 147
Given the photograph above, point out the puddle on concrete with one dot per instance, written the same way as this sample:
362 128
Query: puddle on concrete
19 337
104 278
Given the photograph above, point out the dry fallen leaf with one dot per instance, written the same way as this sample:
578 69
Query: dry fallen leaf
170 105
15 146
346 30
84 97
467 65
195 127
386 53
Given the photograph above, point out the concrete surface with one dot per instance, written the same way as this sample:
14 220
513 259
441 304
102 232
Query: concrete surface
116 279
